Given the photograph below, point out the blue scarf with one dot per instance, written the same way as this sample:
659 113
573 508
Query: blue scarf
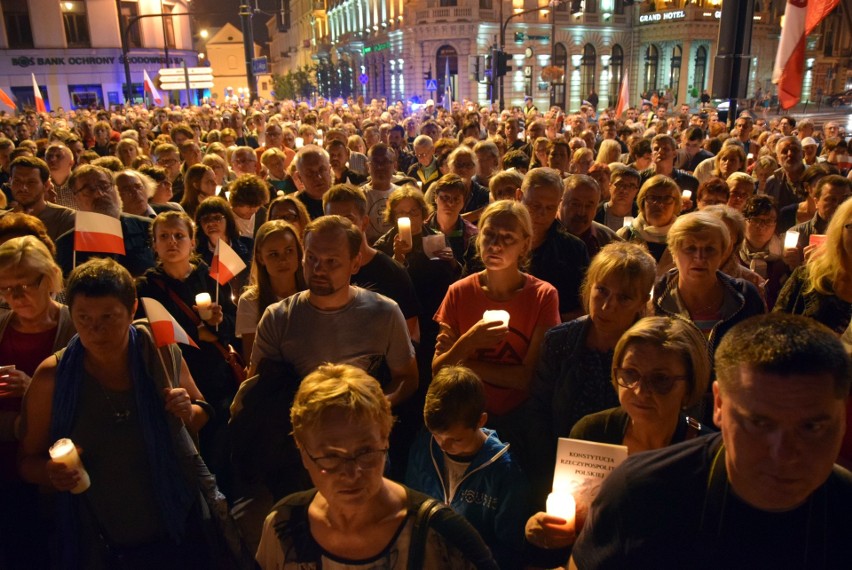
174 496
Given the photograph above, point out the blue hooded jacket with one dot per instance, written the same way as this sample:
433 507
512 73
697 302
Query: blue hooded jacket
493 495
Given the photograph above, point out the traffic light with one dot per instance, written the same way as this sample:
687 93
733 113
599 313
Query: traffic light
427 75
502 63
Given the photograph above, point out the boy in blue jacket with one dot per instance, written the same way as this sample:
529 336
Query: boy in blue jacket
466 466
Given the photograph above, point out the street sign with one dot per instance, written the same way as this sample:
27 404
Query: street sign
175 78
260 65
431 85
363 78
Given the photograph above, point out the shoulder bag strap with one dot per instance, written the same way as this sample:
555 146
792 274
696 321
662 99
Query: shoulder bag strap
417 547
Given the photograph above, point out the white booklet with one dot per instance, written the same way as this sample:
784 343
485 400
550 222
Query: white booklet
582 466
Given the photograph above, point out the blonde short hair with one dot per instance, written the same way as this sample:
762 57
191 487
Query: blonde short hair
339 387
675 334
506 208
630 262
30 253
660 181
696 222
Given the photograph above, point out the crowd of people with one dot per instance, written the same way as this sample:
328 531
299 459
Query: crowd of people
431 299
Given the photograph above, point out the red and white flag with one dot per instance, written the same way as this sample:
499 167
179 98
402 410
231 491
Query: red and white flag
150 88
801 17
6 100
623 97
39 100
165 328
226 263
98 233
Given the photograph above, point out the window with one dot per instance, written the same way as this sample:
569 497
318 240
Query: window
560 60
616 70
16 14
700 68
130 10
588 68
674 76
652 61
169 26
76 22
485 5
449 3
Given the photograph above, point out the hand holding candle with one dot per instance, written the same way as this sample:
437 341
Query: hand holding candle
791 239
404 229
203 302
65 452
496 316
627 221
562 504
686 194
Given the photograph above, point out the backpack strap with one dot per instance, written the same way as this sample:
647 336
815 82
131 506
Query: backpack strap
417 548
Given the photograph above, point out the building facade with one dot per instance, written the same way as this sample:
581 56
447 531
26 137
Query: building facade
389 48
73 47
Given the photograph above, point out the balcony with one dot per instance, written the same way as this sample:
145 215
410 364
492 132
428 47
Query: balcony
449 14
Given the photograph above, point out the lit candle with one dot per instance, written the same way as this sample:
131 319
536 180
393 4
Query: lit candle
64 451
496 316
686 194
203 301
791 239
816 239
561 504
404 225
628 221
300 142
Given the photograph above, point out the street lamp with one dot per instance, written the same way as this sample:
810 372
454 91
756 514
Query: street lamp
204 33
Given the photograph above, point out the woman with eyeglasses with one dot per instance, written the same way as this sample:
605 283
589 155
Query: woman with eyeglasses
291 210
215 220
354 517
659 202
177 279
462 162
449 192
32 327
762 250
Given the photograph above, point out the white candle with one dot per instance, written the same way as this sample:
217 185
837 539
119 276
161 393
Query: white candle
203 301
628 221
562 504
404 225
64 451
496 316
791 239
300 142
686 194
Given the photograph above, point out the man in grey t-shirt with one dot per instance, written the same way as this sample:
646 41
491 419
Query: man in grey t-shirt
334 321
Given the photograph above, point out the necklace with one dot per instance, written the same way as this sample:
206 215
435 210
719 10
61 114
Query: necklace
118 416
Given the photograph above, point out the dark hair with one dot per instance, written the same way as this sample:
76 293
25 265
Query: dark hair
713 185
16 224
249 190
215 205
456 395
31 162
346 193
301 210
516 159
783 345
101 277
758 205
694 133
156 173
337 223
191 179
169 217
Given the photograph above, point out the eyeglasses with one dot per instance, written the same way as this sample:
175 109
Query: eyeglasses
212 219
657 382
369 459
22 289
762 222
664 200
92 189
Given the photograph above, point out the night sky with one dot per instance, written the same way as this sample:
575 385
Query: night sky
230 12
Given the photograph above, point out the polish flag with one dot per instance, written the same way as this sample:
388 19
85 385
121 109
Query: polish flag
165 328
801 17
39 100
150 88
226 263
623 97
6 100
98 233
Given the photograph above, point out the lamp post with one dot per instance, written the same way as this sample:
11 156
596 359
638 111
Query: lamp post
248 46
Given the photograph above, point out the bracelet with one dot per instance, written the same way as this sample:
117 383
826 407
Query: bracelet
208 409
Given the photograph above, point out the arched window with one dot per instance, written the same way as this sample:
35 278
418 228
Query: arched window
674 76
616 71
652 62
560 60
587 70
700 68
446 66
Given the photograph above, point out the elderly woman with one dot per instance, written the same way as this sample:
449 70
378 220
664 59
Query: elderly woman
822 288
354 517
462 162
449 192
762 249
697 289
32 327
742 187
115 395
661 366
581 161
572 375
659 202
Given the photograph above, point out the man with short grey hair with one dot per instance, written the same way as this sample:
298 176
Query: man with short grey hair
313 176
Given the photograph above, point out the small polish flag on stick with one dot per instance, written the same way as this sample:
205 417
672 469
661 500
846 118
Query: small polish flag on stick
6 100
623 97
98 233
226 263
39 100
164 327
150 88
